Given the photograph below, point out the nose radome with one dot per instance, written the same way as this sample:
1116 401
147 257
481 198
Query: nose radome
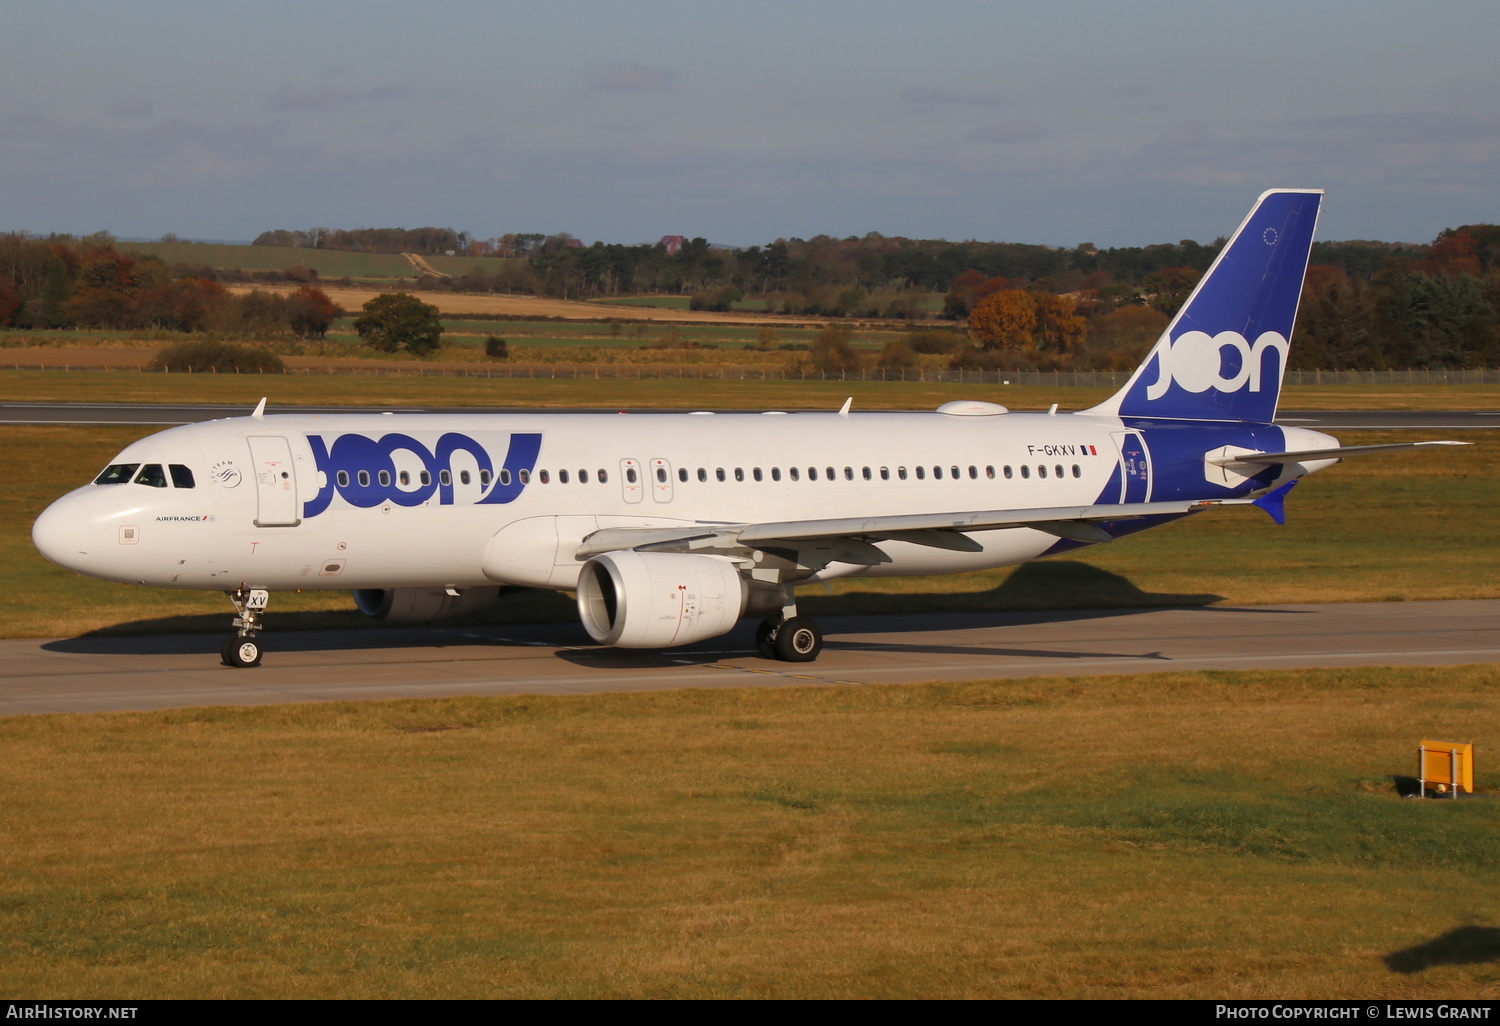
62 533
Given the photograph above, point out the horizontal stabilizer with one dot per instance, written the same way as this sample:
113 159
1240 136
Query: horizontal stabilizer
1309 455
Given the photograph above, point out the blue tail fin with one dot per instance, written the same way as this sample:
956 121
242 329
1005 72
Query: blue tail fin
1223 355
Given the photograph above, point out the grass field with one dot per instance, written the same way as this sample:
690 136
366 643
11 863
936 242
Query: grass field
328 263
1381 528
49 386
1212 835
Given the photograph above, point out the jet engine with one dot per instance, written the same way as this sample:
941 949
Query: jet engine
659 599
415 604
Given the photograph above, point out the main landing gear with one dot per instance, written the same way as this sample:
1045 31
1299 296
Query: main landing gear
789 637
241 649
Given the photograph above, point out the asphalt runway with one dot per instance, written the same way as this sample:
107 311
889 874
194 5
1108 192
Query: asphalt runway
84 675
147 414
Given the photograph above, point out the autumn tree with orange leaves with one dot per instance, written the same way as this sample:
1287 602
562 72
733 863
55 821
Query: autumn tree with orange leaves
1004 320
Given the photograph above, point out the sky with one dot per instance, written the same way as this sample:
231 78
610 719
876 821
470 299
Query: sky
1057 122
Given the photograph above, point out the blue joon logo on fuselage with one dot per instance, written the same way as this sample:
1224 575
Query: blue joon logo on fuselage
367 472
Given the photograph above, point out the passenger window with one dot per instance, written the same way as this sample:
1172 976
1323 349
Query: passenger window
543 476
921 473
866 472
583 477
956 474
364 478
445 478
182 477
1041 471
831 474
756 474
793 472
885 473
425 478
117 473
404 477
1025 472
989 472
973 473
604 477
505 476
385 479
152 474
682 474
630 475
1059 470
719 473
775 473
849 473
702 474
1008 473
937 473
739 473
343 478
562 477
812 473
524 476
901 473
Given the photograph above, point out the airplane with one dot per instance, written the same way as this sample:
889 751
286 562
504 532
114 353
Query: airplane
671 527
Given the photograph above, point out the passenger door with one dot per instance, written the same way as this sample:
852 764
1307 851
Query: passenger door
275 481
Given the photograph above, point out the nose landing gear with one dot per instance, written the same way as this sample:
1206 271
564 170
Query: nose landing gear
241 649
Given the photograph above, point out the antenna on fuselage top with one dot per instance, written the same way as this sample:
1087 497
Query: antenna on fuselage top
260 409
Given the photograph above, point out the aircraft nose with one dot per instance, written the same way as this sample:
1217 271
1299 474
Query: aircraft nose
62 533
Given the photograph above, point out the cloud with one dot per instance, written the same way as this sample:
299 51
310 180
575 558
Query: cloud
634 78
937 96
1008 132
1135 99
327 98
132 107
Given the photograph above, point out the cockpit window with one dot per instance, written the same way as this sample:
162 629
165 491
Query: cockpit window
152 474
117 473
182 477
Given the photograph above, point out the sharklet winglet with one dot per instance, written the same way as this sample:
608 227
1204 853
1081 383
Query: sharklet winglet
260 409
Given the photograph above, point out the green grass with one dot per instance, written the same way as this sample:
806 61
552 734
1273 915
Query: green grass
292 390
1209 835
328 263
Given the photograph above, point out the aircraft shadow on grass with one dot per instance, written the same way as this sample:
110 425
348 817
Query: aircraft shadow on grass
1467 945
1034 593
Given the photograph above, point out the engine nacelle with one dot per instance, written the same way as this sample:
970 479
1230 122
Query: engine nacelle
412 604
659 599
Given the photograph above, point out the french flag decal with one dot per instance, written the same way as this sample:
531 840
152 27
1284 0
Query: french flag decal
1089 450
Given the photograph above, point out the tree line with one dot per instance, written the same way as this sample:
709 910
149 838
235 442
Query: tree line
60 282
1366 305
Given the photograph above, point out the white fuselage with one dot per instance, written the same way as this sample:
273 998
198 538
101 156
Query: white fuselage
267 508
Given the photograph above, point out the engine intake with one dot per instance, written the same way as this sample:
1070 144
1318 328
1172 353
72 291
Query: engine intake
401 605
659 599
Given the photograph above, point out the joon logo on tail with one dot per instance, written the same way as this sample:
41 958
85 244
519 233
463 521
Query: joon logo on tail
1223 355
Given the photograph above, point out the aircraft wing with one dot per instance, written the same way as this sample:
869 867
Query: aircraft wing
1270 458
855 537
